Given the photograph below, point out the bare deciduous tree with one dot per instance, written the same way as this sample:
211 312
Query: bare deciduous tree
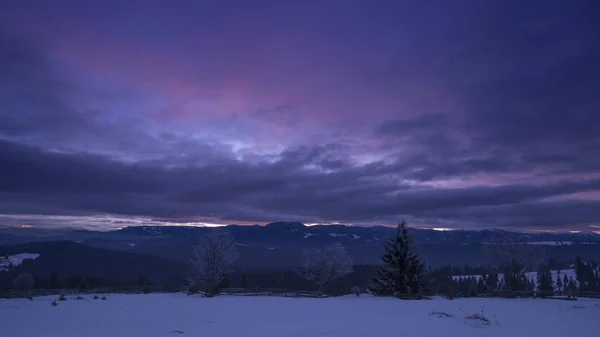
322 266
23 281
211 260
513 259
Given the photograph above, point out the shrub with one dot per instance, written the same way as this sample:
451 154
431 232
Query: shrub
62 297
479 317
355 290
95 297
54 303
441 314
103 298
79 298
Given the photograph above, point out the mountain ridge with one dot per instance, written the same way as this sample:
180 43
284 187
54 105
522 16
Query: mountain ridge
280 244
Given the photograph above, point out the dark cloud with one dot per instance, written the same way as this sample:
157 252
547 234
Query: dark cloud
235 191
465 114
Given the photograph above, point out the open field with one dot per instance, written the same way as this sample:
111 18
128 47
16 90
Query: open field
178 314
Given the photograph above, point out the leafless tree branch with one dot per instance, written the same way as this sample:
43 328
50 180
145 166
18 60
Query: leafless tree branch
322 266
211 260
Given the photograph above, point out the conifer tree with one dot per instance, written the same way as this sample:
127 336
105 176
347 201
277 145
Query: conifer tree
559 283
244 281
492 281
530 284
141 281
544 280
566 282
402 273
572 285
481 288
82 283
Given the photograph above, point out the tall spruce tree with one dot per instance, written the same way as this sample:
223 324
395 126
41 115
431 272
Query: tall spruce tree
402 273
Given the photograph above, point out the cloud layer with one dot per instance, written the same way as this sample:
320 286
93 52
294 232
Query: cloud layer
476 114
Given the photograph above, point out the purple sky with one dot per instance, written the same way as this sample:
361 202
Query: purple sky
454 114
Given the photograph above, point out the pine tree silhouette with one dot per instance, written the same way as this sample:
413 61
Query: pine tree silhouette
559 283
402 274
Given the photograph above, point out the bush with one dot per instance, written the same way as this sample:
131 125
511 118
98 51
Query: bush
54 303
62 297
355 290
30 298
479 317
79 298
95 297
441 314
103 298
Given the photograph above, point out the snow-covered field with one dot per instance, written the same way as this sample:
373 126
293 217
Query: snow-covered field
177 314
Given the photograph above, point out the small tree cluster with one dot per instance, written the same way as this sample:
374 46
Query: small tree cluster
545 284
587 275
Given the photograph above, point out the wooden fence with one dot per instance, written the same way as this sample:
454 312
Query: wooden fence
256 291
17 293
271 292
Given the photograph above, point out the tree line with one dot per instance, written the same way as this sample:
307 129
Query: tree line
402 273
330 270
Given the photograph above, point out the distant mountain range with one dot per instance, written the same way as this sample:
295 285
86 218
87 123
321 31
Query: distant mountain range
280 244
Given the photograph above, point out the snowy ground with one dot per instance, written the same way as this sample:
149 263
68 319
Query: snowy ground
177 314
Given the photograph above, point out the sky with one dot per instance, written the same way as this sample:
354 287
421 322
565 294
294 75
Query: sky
449 114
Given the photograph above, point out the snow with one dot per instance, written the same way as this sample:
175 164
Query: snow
353 236
551 243
155 315
308 235
16 259
533 275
